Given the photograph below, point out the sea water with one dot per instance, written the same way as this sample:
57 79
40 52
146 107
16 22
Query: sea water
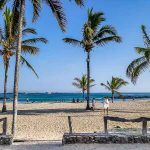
63 97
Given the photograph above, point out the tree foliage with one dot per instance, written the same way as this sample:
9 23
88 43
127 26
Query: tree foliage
139 65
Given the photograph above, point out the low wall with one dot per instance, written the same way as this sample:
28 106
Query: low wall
103 138
6 139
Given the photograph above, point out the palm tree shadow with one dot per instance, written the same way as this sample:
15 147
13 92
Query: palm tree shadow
47 111
129 111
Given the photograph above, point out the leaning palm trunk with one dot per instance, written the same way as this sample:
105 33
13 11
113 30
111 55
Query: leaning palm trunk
4 109
88 81
16 75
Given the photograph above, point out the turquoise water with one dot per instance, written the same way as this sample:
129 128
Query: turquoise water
66 97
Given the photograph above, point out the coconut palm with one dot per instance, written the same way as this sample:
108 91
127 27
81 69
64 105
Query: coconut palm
139 65
81 83
8 45
114 85
94 35
19 13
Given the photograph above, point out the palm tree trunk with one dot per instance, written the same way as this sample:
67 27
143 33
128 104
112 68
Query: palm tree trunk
4 109
83 94
88 81
112 97
17 65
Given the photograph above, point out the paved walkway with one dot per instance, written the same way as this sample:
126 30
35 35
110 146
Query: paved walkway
58 146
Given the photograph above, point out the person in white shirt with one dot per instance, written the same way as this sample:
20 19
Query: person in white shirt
106 105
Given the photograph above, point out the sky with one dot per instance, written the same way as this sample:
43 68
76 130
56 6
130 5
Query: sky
58 63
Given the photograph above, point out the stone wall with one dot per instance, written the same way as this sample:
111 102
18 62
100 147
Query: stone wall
6 139
103 139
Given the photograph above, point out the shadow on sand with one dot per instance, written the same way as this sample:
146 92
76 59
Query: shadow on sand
53 111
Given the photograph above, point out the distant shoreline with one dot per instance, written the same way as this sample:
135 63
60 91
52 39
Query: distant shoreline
67 101
57 98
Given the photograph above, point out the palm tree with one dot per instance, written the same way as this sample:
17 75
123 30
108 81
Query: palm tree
114 85
81 83
139 65
8 41
93 35
19 13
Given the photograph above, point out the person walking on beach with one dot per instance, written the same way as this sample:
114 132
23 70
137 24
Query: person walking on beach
106 105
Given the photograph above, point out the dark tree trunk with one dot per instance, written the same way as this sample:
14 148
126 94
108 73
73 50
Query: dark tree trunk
4 109
112 97
17 65
83 95
88 81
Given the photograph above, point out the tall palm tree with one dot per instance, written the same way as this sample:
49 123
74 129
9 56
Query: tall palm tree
139 65
93 34
19 12
81 83
114 85
8 47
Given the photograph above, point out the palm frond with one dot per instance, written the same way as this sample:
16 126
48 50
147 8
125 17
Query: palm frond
95 19
58 11
77 80
114 84
29 49
145 36
34 41
106 86
76 85
24 61
135 63
72 41
120 82
106 40
82 83
29 31
104 31
137 70
80 2
91 82
141 50
36 9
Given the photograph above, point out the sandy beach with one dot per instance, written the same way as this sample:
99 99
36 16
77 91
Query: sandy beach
48 121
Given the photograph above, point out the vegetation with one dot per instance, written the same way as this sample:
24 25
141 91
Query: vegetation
139 65
14 41
8 40
19 15
114 85
82 84
93 34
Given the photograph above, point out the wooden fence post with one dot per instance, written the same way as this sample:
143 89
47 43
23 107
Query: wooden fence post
4 120
105 125
70 124
144 127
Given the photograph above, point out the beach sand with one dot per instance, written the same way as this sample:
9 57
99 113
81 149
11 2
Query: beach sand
48 121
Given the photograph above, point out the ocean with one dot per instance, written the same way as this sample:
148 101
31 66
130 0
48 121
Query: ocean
67 97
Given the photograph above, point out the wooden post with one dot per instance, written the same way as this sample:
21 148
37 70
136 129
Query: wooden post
70 124
105 125
144 127
4 120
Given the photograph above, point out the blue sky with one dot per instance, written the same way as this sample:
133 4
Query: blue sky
58 63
